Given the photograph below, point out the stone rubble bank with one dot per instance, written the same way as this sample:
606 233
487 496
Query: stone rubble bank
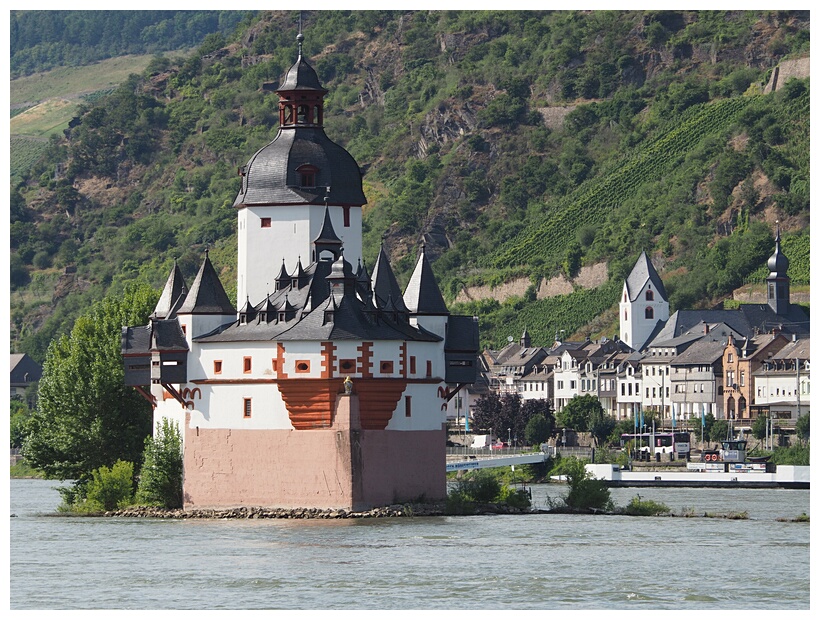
258 512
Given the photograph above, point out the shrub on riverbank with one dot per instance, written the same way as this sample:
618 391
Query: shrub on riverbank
108 489
586 493
483 487
645 507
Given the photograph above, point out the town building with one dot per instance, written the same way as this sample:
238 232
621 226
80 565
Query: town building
782 385
327 387
24 372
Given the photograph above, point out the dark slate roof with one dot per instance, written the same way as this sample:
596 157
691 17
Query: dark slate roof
778 264
158 335
271 178
301 76
346 319
701 352
798 349
642 271
462 334
172 295
422 295
207 296
384 284
747 320
24 369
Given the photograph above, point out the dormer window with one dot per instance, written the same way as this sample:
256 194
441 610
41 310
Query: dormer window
307 175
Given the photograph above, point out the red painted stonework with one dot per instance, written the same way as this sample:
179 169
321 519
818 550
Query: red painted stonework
338 467
311 402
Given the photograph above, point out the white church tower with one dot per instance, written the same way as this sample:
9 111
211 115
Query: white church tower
644 304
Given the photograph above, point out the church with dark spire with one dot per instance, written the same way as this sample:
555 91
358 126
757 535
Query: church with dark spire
325 386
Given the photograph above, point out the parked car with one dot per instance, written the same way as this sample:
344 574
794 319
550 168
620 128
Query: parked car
499 445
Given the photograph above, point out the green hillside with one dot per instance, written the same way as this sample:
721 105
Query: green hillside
516 144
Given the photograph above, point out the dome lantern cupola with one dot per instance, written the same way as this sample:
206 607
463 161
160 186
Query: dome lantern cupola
301 96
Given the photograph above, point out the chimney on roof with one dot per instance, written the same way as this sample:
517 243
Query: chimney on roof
706 328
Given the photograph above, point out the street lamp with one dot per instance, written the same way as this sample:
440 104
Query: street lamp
509 437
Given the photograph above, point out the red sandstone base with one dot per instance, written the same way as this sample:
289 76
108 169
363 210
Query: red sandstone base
339 467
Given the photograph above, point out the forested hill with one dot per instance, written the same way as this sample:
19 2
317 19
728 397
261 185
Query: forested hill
42 40
534 152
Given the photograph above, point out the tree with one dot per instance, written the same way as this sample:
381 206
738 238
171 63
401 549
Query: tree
759 427
579 412
719 431
600 426
86 416
802 427
538 430
160 481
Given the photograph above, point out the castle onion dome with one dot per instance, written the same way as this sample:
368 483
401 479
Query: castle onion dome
778 264
301 165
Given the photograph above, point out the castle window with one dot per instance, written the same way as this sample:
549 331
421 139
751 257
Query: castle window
347 365
407 406
274 365
429 368
307 175
386 368
412 364
303 366
246 365
650 295
246 407
217 367
649 313
265 222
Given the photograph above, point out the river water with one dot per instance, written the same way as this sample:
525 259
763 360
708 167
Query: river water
544 561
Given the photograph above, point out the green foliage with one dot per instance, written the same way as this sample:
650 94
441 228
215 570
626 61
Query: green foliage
580 412
110 489
759 427
638 507
483 486
44 39
19 416
799 454
585 492
801 427
22 469
86 417
480 486
160 481
719 431
538 430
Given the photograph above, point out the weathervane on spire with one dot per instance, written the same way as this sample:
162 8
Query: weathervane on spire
300 37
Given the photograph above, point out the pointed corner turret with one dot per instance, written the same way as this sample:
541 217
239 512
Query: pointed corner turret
384 284
173 295
207 295
422 295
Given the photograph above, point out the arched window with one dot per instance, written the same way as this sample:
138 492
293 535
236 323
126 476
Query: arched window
649 313
650 295
307 175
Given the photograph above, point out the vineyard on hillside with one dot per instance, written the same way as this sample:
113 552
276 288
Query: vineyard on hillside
594 199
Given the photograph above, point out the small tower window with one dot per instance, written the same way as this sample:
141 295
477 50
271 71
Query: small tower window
650 295
307 175
265 222
246 365
246 408
217 367
302 114
649 313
